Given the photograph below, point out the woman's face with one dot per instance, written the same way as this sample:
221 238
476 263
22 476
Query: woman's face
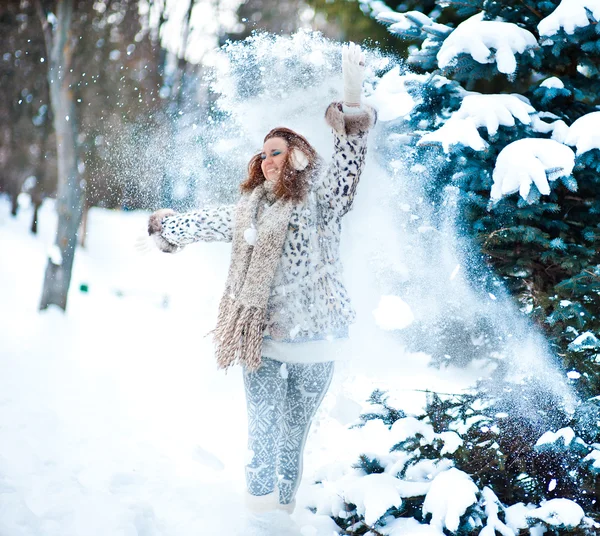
273 157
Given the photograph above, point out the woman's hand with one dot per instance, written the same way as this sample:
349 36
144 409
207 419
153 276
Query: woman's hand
155 228
353 69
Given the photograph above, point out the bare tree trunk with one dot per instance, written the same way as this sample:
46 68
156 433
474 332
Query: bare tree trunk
84 225
38 191
14 198
70 191
14 182
36 214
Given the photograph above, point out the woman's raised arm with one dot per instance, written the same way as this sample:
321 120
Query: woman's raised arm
171 231
350 122
337 187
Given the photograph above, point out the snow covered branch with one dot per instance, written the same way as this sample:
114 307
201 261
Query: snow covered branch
480 111
585 133
487 42
491 111
569 16
530 161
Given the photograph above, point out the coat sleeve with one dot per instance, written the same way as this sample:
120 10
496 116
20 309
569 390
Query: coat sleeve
172 231
335 189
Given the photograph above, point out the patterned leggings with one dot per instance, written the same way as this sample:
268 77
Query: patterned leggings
282 399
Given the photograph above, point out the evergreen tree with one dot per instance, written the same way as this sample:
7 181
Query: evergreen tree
470 464
505 114
541 67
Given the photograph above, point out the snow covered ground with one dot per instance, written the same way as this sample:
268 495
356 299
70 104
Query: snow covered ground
113 417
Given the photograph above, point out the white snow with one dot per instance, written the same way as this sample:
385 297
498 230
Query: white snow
408 488
558 127
415 20
553 82
375 437
491 111
55 255
401 21
393 313
530 161
595 457
400 24
382 12
51 18
516 516
486 42
390 96
567 435
373 495
584 133
452 441
407 427
455 132
570 15
408 526
493 524
451 493
480 111
559 513
427 470
585 341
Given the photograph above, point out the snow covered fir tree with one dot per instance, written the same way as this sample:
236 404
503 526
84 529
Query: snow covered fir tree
501 118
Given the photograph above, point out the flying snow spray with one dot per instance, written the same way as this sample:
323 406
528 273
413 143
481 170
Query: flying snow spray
413 278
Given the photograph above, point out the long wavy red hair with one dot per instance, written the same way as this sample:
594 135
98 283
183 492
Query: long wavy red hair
292 183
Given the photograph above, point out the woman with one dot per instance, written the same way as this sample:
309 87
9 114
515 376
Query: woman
284 305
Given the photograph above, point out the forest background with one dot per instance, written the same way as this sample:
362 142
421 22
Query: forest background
122 70
134 66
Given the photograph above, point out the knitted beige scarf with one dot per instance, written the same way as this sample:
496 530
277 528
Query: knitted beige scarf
242 311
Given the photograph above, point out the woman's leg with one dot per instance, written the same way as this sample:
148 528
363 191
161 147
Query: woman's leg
265 394
307 386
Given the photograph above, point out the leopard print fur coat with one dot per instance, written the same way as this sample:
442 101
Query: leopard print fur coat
308 300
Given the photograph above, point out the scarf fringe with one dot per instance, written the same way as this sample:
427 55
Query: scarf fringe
239 338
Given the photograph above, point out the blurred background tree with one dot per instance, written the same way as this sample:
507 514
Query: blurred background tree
27 144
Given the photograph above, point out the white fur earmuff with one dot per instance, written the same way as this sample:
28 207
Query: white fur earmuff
299 159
